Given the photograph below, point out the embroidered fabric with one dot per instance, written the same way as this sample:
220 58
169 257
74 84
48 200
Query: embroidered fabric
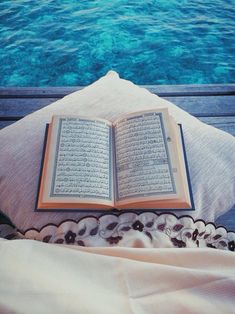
131 230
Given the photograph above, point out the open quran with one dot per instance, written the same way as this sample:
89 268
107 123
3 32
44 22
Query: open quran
135 162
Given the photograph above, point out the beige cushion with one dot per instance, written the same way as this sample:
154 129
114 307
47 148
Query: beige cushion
211 152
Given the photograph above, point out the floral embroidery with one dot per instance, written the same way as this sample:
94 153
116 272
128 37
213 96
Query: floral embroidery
81 243
59 241
195 234
178 243
149 235
188 234
138 226
159 230
113 240
231 245
70 237
210 245
46 238
161 227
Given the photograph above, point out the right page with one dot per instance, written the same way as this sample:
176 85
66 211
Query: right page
148 164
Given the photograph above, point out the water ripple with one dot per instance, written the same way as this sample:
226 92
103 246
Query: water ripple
73 42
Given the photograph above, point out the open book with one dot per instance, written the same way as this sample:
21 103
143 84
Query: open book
135 162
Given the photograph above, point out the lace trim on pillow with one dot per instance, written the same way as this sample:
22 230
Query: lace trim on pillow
149 229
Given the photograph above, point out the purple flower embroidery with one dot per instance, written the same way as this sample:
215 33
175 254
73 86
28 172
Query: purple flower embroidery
231 246
211 246
195 234
46 238
161 227
177 227
113 240
178 243
81 243
188 234
59 241
70 237
138 226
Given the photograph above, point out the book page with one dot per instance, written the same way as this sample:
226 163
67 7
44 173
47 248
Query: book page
80 165
143 164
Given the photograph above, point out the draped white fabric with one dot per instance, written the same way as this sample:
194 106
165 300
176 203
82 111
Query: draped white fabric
44 278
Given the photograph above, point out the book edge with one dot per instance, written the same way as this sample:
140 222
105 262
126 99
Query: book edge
187 168
41 166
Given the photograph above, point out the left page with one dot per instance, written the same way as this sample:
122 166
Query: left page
78 165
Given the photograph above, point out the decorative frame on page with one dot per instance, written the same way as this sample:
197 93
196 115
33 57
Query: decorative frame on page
130 230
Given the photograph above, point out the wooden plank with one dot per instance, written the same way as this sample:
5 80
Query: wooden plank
37 92
195 105
6 123
218 120
21 107
227 220
200 106
226 124
191 90
161 90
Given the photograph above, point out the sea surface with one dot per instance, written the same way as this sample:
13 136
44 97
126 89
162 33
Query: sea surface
74 42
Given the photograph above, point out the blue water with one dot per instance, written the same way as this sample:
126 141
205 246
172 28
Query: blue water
74 42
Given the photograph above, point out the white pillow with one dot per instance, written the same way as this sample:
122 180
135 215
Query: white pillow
210 152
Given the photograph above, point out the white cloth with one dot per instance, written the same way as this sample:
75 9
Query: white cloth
46 278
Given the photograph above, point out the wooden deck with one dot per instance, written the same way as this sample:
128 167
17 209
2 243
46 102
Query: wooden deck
212 104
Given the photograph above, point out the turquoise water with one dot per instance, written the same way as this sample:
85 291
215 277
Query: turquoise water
74 42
